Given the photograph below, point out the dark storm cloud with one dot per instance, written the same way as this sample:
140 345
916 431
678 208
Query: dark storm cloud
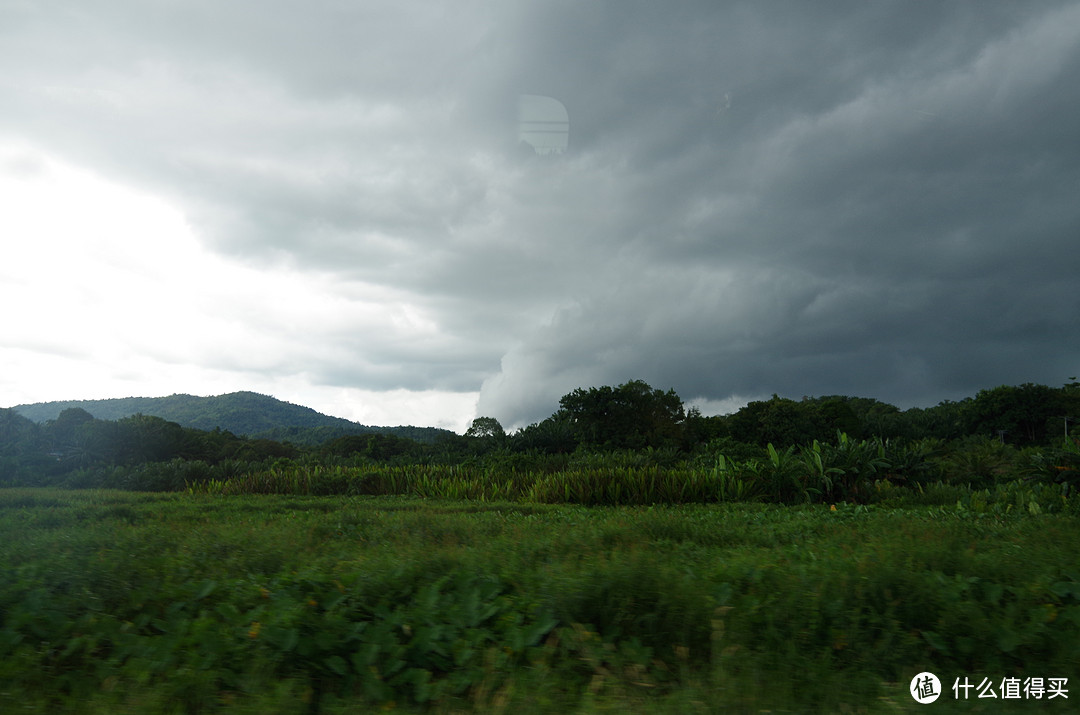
859 198
886 193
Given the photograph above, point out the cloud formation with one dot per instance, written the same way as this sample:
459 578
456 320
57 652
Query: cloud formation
756 197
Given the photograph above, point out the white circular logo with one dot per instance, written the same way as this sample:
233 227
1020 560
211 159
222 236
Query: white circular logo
925 688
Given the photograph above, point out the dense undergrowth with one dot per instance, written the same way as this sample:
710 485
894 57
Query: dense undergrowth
845 469
128 602
733 578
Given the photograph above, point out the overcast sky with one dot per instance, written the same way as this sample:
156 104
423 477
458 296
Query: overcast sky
326 201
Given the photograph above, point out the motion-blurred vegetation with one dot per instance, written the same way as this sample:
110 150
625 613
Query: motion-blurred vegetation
123 602
626 553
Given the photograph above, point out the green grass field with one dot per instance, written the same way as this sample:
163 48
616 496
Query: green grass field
154 603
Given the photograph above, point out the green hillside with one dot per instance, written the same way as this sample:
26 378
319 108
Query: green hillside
242 413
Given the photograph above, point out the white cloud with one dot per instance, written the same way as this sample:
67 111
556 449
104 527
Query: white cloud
726 406
113 292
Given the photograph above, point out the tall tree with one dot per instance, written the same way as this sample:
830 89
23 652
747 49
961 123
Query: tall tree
1021 414
486 427
143 438
18 435
632 415
780 421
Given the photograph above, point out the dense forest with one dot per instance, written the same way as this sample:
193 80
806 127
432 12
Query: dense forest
1001 433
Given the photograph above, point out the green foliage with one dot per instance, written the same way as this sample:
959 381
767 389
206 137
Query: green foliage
121 602
698 430
626 445
846 469
779 421
1057 465
17 433
485 428
838 414
555 435
615 485
946 420
378 447
1021 414
734 482
630 416
406 635
730 448
913 462
979 462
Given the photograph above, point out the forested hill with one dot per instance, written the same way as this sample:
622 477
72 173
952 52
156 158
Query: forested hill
242 413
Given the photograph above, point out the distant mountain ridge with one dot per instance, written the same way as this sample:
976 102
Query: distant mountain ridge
242 413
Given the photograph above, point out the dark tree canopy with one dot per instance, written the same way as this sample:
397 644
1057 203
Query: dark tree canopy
555 435
630 416
1022 414
486 427
779 421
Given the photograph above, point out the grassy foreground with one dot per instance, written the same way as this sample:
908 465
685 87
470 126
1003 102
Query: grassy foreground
150 603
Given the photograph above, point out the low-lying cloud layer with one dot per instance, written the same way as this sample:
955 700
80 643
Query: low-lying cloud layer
874 199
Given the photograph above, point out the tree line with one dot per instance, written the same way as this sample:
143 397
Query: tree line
632 417
635 416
